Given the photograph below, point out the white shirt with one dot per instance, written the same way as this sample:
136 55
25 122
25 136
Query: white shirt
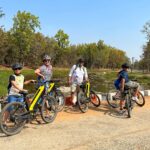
78 74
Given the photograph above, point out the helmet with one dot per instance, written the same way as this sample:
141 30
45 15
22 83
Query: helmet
16 66
46 57
125 65
81 60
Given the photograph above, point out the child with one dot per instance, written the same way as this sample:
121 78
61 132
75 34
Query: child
121 82
16 83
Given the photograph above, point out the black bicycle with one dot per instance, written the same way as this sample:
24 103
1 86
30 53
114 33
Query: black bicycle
85 96
54 91
114 100
15 115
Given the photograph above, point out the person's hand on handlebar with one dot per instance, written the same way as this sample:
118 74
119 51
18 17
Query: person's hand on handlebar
33 81
23 91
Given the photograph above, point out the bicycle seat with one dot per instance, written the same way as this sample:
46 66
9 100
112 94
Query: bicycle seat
24 93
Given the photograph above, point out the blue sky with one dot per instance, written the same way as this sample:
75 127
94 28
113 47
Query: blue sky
117 22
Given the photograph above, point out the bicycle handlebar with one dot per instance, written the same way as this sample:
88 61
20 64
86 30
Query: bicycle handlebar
50 81
24 92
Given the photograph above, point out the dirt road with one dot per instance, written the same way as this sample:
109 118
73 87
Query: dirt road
98 129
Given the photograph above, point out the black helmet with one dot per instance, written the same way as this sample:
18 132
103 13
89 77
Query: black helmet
81 60
16 66
125 65
46 57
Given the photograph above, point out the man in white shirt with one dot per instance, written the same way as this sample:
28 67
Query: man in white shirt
78 74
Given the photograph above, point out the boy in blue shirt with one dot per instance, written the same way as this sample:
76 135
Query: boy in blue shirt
122 81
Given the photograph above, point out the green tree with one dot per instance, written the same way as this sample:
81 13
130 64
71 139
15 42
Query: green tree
24 27
62 39
103 54
145 61
146 30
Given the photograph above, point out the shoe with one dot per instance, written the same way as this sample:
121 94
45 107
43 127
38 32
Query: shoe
134 98
87 100
4 126
122 111
60 100
75 105
117 96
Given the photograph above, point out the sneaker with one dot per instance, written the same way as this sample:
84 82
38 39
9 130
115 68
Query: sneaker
117 96
134 98
4 126
60 100
75 105
122 111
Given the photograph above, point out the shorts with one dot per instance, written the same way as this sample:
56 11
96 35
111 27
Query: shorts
132 84
73 88
15 98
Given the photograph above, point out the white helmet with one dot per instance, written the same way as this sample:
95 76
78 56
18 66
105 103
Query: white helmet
46 57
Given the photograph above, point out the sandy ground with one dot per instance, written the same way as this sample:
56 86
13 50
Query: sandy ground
98 129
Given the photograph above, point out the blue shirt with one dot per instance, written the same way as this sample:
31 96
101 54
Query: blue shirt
121 75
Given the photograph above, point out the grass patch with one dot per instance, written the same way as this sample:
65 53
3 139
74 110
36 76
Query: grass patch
101 80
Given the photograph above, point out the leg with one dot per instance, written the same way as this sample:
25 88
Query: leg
11 99
122 103
19 99
135 86
73 93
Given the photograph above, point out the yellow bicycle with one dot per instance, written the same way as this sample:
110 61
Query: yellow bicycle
15 115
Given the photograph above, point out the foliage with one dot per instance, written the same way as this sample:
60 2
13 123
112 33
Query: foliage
23 44
23 30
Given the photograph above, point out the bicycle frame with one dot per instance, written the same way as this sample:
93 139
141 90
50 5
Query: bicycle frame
87 88
36 97
39 93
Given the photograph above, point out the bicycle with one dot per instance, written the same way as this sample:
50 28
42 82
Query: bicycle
129 103
15 115
54 91
114 102
85 96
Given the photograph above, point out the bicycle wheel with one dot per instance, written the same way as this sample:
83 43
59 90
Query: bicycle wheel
82 101
128 105
48 110
11 121
141 99
60 100
111 100
95 100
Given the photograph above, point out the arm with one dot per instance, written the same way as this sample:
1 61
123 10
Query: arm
38 72
29 81
70 74
86 75
122 84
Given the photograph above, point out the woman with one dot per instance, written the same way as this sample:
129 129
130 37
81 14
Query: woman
44 72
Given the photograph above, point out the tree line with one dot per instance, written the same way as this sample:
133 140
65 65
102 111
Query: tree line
144 62
22 43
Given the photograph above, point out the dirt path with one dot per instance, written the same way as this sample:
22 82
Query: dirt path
98 129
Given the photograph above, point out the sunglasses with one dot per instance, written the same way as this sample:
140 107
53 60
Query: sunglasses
17 69
47 60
